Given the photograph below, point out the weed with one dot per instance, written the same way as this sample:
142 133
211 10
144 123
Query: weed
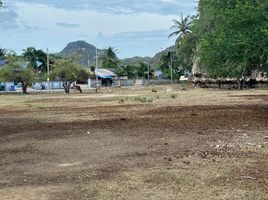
173 96
143 99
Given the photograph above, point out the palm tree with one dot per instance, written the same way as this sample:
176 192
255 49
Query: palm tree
110 59
170 65
182 28
126 70
164 64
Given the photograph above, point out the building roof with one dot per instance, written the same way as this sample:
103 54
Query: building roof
105 73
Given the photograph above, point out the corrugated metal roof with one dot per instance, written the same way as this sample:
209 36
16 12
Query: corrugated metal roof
105 73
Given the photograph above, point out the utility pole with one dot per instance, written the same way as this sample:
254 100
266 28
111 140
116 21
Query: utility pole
171 66
48 81
148 74
96 69
88 62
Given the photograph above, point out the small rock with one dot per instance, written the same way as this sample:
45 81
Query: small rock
153 90
266 137
166 143
169 90
169 159
187 162
121 101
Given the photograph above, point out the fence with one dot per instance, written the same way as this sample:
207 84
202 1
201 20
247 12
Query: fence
44 85
130 82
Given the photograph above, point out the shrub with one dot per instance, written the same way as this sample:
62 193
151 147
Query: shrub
173 96
143 99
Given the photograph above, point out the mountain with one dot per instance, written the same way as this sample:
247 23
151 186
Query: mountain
153 61
84 51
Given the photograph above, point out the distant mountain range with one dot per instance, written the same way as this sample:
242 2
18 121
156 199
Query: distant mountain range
86 52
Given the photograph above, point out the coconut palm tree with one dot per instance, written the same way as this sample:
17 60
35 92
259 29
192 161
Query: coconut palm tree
110 59
165 63
181 28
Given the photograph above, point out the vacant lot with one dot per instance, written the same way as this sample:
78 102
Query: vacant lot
135 144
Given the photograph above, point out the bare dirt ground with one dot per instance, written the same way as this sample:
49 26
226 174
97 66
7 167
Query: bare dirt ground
136 144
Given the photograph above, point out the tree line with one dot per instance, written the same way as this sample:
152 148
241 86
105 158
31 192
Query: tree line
31 67
227 39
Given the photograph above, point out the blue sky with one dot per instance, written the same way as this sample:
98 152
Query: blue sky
133 27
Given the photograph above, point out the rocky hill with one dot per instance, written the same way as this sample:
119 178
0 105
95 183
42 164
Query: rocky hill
84 51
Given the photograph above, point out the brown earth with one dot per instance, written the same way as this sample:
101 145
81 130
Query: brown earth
201 144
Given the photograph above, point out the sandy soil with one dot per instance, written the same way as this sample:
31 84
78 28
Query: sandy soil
133 143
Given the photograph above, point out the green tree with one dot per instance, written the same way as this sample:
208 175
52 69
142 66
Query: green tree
164 64
169 61
126 70
68 71
3 53
181 28
34 56
233 37
185 51
17 71
110 59
142 70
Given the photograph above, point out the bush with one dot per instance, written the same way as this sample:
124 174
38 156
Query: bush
143 99
173 96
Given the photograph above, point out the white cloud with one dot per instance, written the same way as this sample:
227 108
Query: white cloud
41 25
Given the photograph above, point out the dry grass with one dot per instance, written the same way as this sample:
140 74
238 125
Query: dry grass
132 143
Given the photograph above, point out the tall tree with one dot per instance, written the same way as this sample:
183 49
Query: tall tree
181 28
169 63
186 50
234 37
142 70
110 59
126 70
36 58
